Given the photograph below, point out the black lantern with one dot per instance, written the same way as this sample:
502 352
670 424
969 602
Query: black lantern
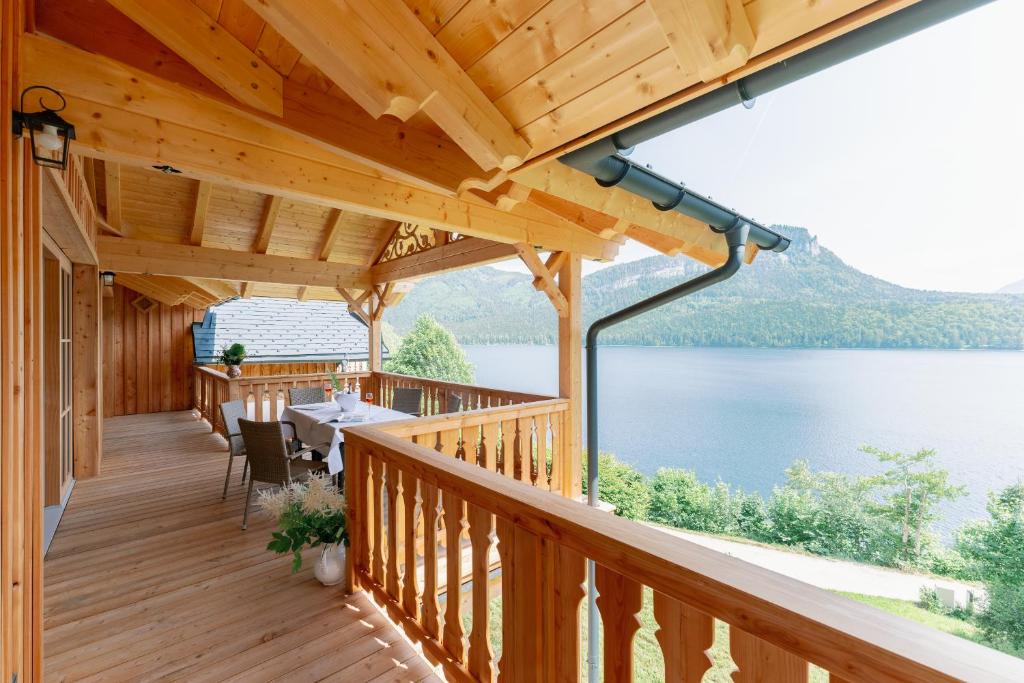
50 134
107 279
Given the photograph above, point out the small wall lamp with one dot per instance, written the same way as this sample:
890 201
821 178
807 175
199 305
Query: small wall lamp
50 134
107 279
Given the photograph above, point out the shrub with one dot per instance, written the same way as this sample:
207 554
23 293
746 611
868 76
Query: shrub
679 499
620 484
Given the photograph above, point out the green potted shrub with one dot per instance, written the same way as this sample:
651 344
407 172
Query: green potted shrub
232 357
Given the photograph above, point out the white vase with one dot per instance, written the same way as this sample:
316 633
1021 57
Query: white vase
329 568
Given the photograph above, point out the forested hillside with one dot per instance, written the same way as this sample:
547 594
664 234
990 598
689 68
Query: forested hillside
806 297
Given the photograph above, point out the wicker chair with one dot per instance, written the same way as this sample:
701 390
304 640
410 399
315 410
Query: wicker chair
270 458
454 403
305 395
231 412
406 400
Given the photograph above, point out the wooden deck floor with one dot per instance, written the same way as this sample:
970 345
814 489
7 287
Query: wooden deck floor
151 578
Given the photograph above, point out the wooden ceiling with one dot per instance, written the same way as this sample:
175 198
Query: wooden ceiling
341 119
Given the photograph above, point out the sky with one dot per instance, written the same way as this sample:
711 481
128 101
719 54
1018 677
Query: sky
907 162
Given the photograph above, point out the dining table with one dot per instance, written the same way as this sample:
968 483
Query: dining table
321 423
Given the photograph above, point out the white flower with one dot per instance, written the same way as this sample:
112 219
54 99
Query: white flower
273 503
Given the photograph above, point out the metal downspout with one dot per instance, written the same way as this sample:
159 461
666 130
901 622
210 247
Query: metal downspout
736 239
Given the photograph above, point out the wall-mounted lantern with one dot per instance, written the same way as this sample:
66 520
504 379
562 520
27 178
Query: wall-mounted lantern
50 134
107 279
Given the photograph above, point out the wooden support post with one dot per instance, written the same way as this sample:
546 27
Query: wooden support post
374 324
87 373
570 373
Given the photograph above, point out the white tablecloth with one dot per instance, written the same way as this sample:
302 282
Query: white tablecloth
321 423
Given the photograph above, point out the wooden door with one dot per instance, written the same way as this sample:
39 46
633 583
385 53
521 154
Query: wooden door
57 377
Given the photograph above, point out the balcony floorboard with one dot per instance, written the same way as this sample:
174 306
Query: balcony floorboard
150 577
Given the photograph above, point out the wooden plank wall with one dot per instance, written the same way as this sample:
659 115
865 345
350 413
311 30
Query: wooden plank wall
21 380
147 359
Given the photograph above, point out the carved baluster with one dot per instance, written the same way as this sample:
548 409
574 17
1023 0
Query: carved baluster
554 423
431 607
619 602
522 649
411 504
519 461
393 487
685 634
481 534
454 527
377 494
757 660
567 571
488 457
449 440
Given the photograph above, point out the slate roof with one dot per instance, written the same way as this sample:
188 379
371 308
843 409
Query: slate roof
281 330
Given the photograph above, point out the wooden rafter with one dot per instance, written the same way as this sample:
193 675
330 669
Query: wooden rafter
709 37
218 55
335 222
315 121
247 289
112 190
386 60
117 134
544 279
136 256
271 208
203 192
303 294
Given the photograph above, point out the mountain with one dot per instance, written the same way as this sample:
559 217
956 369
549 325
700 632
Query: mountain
1012 288
805 297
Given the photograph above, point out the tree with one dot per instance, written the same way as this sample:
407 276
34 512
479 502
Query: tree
917 487
431 351
995 550
621 485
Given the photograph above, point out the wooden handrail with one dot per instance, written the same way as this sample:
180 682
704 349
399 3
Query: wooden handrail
777 624
473 418
455 387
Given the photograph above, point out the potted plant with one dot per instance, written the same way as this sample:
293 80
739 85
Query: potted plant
232 356
309 513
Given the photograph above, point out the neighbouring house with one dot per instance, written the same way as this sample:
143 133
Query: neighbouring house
277 330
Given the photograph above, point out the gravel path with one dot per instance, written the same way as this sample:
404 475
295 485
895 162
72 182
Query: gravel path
823 572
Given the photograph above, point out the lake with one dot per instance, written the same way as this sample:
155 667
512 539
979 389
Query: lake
744 415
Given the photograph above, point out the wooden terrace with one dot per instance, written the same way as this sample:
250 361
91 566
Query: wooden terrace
341 150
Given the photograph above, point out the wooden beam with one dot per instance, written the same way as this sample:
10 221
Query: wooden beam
125 67
218 55
247 288
709 37
547 282
87 371
215 289
470 251
271 207
112 190
124 136
354 306
303 294
383 297
552 264
379 53
203 192
158 258
334 225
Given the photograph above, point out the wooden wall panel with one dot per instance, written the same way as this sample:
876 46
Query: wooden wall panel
148 364
86 370
21 379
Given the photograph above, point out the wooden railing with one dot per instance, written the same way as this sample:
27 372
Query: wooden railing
210 389
416 519
78 194
523 441
264 396
436 394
